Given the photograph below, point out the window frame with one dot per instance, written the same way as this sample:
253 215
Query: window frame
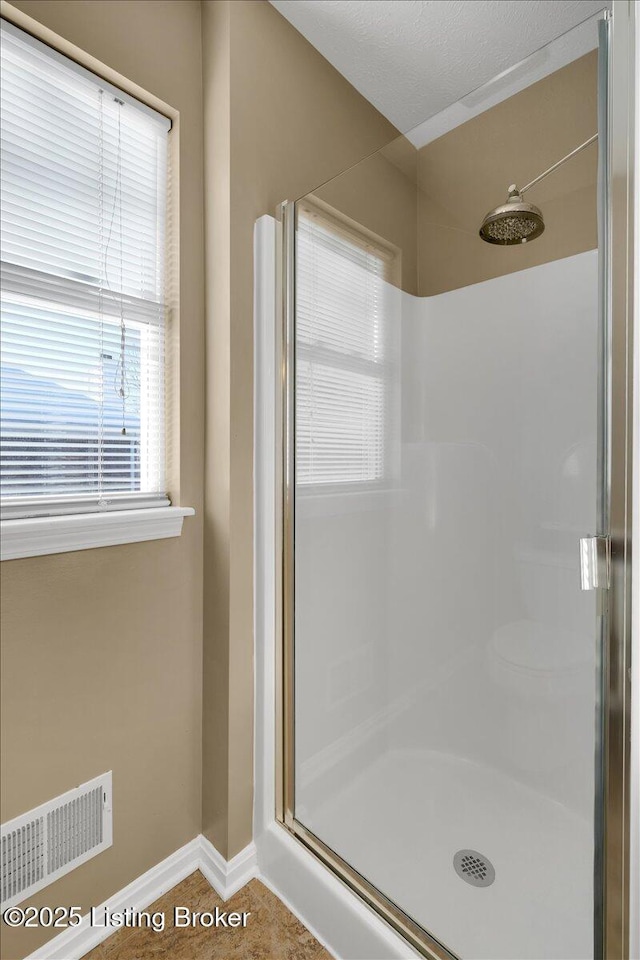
70 524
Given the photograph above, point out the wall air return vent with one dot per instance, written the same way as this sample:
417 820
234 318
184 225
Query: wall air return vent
45 843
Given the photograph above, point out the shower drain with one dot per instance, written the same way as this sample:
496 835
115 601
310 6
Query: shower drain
474 868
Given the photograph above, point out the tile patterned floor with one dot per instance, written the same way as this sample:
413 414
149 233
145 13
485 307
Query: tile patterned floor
271 933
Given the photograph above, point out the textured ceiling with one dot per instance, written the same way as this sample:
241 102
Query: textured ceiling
413 58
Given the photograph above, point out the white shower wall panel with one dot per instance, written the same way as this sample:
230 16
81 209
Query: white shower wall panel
443 612
498 485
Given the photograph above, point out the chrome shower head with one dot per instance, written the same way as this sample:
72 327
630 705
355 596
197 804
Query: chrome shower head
513 222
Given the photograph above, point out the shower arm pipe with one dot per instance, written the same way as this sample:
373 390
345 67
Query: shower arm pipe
555 166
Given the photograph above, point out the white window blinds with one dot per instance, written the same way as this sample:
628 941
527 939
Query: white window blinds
341 354
84 183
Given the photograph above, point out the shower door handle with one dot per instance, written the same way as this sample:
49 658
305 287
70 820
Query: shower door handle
594 563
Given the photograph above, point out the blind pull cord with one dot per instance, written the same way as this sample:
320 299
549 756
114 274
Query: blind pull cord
121 374
102 503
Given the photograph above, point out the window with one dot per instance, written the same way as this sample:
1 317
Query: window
84 193
342 352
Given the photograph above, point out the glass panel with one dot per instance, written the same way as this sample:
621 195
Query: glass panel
446 439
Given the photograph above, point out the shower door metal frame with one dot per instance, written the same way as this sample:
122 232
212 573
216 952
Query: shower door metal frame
612 820
416 935
615 732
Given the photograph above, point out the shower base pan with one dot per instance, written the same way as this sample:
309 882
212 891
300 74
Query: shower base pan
403 820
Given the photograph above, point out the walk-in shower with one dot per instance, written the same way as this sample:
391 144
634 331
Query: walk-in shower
446 449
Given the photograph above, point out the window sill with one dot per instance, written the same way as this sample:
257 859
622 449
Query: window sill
39 536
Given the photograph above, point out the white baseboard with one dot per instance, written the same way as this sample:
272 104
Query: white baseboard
226 877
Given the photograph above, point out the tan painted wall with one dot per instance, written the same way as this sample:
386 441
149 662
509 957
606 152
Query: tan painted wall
279 121
430 202
466 172
102 648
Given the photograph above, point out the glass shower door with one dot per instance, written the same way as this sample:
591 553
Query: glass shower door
444 467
